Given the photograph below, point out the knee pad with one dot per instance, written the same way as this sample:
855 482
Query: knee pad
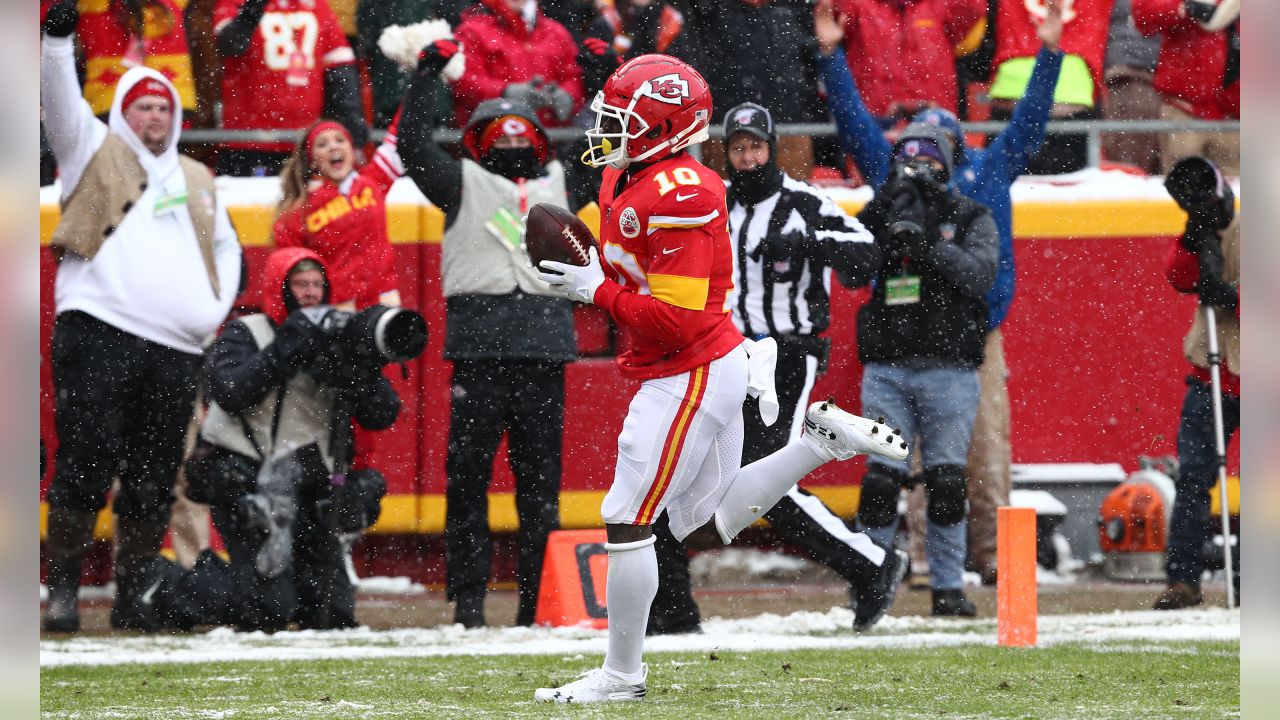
948 494
878 503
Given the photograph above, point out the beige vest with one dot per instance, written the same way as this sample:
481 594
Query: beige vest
112 183
305 413
472 260
1195 346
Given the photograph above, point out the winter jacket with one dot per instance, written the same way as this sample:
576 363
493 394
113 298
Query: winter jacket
502 49
948 322
1085 34
984 175
149 278
1183 271
903 50
1193 62
757 52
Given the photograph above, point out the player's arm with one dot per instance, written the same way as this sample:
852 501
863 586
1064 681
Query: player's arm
679 281
842 242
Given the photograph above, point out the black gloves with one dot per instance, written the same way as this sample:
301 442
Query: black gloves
435 56
1201 12
61 19
297 342
1215 291
908 231
786 252
599 53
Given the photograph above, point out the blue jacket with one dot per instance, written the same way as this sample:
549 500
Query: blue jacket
984 175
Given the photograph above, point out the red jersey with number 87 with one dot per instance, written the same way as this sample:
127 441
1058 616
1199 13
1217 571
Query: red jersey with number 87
665 244
278 83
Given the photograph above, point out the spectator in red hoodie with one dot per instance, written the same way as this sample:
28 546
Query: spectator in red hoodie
1198 73
515 51
902 52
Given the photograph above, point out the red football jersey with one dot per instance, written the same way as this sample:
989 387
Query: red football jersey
278 83
109 49
665 246
347 225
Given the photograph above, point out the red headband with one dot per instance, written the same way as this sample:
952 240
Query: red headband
320 127
512 126
145 87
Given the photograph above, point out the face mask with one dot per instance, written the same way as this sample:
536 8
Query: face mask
752 186
512 163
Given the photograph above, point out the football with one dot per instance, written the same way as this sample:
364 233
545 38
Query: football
554 233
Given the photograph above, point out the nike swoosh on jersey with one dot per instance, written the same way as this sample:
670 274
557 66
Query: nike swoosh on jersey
668 251
681 198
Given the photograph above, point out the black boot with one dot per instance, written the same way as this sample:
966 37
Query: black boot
138 575
952 603
468 611
69 536
873 598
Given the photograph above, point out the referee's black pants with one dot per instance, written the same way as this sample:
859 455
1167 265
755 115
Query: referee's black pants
524 399
799 517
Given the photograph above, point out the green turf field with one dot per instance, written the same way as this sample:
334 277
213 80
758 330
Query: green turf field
1108 680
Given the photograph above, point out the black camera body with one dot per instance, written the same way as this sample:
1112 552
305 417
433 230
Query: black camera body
1199 188
365 341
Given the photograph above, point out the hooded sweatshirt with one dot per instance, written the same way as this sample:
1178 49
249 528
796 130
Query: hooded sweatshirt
149 278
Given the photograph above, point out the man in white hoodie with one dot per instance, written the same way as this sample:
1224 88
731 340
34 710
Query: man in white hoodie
149 265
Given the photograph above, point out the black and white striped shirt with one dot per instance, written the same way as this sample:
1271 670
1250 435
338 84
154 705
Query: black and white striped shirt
764 300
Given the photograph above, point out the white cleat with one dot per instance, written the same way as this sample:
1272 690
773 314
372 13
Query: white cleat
596 686
838 435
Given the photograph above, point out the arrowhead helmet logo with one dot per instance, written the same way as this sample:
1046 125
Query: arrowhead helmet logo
629 223
669 88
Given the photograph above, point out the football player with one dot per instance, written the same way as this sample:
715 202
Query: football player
664 276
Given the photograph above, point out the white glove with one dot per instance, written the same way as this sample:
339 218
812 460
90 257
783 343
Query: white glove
575 282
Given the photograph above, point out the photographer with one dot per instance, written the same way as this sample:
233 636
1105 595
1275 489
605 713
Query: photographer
1205 260
275 449
920 339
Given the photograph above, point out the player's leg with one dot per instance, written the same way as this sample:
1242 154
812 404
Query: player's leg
673 610
669 430
885 394
475 427
535 428
947 400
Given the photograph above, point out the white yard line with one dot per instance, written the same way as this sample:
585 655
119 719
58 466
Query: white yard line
801 630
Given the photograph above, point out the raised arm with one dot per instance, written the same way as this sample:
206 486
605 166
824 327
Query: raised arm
73 132
859 133
435 172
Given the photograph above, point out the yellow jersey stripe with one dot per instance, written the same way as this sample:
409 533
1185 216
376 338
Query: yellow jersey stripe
686 292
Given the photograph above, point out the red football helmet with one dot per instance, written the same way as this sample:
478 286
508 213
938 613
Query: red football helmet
651 104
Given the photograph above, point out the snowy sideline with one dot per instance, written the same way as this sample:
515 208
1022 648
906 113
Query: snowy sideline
1144 631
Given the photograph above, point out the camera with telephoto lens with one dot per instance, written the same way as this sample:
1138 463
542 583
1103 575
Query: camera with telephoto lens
1199 188
366 340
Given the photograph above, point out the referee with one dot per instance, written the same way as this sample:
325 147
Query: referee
787 238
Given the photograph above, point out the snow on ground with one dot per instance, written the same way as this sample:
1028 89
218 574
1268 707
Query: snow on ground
801 630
